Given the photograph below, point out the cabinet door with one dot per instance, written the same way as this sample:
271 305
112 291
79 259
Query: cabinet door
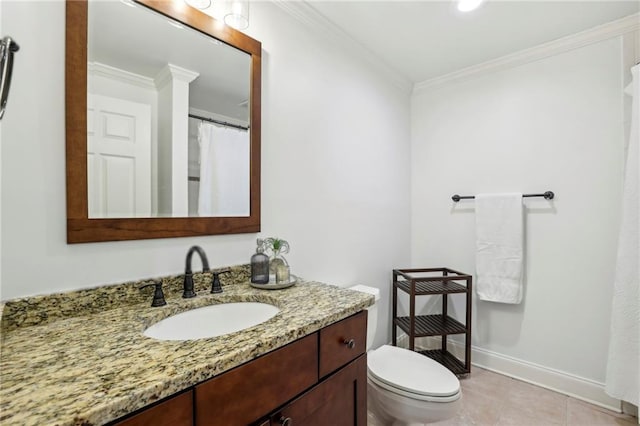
340 400
174 411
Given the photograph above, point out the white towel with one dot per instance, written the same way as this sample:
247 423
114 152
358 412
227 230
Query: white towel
499 253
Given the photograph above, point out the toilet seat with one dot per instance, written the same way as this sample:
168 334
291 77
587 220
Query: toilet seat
412 375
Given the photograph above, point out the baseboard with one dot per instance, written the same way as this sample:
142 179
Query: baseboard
555 380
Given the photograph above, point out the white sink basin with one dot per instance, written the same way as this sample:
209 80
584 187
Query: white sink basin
211 321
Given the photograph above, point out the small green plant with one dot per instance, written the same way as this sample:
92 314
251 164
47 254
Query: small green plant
276 247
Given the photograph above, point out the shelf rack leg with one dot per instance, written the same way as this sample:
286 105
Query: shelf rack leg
394 314
467 336
412 315
445 308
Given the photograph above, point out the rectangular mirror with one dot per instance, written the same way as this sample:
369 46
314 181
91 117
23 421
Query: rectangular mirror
163 123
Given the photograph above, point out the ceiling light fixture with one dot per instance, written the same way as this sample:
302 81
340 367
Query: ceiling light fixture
469 5
238 15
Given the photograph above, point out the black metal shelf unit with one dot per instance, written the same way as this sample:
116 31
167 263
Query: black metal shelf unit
429 282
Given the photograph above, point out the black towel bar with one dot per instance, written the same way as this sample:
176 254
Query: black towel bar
547 196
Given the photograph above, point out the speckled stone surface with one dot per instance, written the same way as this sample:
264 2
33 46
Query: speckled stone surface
81 359
44 309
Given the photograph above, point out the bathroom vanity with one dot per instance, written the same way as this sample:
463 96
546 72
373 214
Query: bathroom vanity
81 358
318 377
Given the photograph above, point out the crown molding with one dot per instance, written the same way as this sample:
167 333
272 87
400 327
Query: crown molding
602 32
311 18
172 73
103 70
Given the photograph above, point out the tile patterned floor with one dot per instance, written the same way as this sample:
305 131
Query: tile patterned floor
491 399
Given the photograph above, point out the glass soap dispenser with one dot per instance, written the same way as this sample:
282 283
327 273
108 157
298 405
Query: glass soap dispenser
260 265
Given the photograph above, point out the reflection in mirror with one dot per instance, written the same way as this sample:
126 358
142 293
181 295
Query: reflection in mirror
187 91
167 118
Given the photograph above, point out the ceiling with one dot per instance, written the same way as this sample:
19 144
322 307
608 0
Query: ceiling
422 40
142 42
417 40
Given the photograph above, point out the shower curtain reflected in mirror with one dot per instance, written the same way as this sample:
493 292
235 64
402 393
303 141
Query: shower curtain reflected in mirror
223 187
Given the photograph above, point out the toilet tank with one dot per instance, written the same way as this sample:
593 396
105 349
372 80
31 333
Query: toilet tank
372 311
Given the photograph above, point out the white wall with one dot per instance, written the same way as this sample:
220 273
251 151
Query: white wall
554 124
335 158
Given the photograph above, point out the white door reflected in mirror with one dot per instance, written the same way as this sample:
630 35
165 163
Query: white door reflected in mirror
118 157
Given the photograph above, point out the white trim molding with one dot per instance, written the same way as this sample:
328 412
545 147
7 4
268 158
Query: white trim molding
612 29
545 377
103 70
555 380
171 73
311 18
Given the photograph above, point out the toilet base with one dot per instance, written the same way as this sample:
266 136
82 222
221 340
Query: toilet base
387 409
374 420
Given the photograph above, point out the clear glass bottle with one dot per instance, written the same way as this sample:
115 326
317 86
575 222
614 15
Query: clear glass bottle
260 265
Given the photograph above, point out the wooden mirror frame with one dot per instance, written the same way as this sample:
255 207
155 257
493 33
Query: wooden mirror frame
82 229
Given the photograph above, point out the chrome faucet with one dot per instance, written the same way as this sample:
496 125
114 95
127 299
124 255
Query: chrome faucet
188 275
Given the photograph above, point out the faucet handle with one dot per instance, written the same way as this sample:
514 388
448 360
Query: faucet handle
188 291
216 287
158 295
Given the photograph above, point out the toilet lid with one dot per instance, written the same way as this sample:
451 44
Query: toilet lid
411 372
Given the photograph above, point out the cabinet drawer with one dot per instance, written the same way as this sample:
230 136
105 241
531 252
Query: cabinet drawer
174 411
342 342
250 391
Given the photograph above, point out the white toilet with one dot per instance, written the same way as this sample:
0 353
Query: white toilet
404 387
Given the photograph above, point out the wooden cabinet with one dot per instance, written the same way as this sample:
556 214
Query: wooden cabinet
319 379
250 391
340 400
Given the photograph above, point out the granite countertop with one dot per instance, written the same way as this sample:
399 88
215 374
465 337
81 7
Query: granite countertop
88 366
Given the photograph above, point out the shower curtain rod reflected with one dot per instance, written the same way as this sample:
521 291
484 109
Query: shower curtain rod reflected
547 196
222 123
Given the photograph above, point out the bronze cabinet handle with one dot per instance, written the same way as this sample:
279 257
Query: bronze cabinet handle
286 421
350 343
